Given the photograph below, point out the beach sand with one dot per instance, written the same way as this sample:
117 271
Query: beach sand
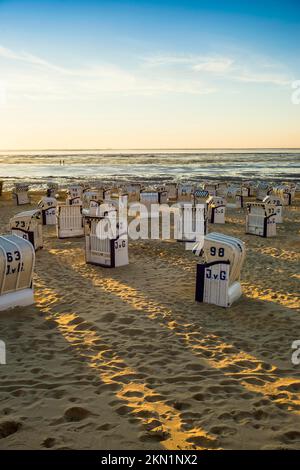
126 359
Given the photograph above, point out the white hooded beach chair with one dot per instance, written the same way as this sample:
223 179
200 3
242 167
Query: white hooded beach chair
221 189
48 205
88 197
103 247
261 219
20 193
263 190
235 199
285 193
218 278
133 190
277 202
191 222
17 259
185 192
52 189
171 189
216 209
69 221
74 195
28 225
201 196
211 188
149 197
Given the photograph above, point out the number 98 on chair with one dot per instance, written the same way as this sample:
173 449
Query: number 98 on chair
17 259
218 278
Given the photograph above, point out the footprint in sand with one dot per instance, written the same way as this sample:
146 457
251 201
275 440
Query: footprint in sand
76 413
8 427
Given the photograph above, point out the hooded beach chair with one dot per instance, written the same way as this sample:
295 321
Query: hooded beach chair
48 205
52 189
218 278
211 188
171 189
20 193
261 219
263 190
191 223
17 259
133 190
235 199
105 245
277 202
185 192
74 195
216 209
69 221
28 225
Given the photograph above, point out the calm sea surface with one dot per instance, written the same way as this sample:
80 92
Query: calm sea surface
149 165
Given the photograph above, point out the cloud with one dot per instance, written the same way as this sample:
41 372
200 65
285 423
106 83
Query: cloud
38 79
223 67
210 64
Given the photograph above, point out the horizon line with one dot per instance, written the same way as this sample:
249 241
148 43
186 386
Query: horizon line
147 148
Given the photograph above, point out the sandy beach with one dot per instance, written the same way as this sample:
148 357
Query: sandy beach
126 359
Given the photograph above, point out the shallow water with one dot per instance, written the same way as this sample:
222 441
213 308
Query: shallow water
150 165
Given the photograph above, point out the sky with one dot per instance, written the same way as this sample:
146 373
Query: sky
149 74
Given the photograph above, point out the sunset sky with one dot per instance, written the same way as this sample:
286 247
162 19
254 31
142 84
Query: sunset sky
148 74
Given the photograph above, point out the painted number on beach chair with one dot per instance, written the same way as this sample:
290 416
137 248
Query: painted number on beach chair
11 257
20 223
214 251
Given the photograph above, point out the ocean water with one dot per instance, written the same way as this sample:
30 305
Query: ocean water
149 166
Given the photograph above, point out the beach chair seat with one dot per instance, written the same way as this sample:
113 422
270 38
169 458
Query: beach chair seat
101 247
48 205
133 190
217 279
278 203
216 209
286 194
235 198
74 195
185 192
191 223
28 225
201 196
20 194
52 189
263 190
17 257
69 221
261 219
211 188
221 189
172 192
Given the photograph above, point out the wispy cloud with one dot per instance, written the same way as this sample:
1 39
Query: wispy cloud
224 67
31 77
212 64
40 79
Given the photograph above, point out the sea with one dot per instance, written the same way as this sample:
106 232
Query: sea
151 166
